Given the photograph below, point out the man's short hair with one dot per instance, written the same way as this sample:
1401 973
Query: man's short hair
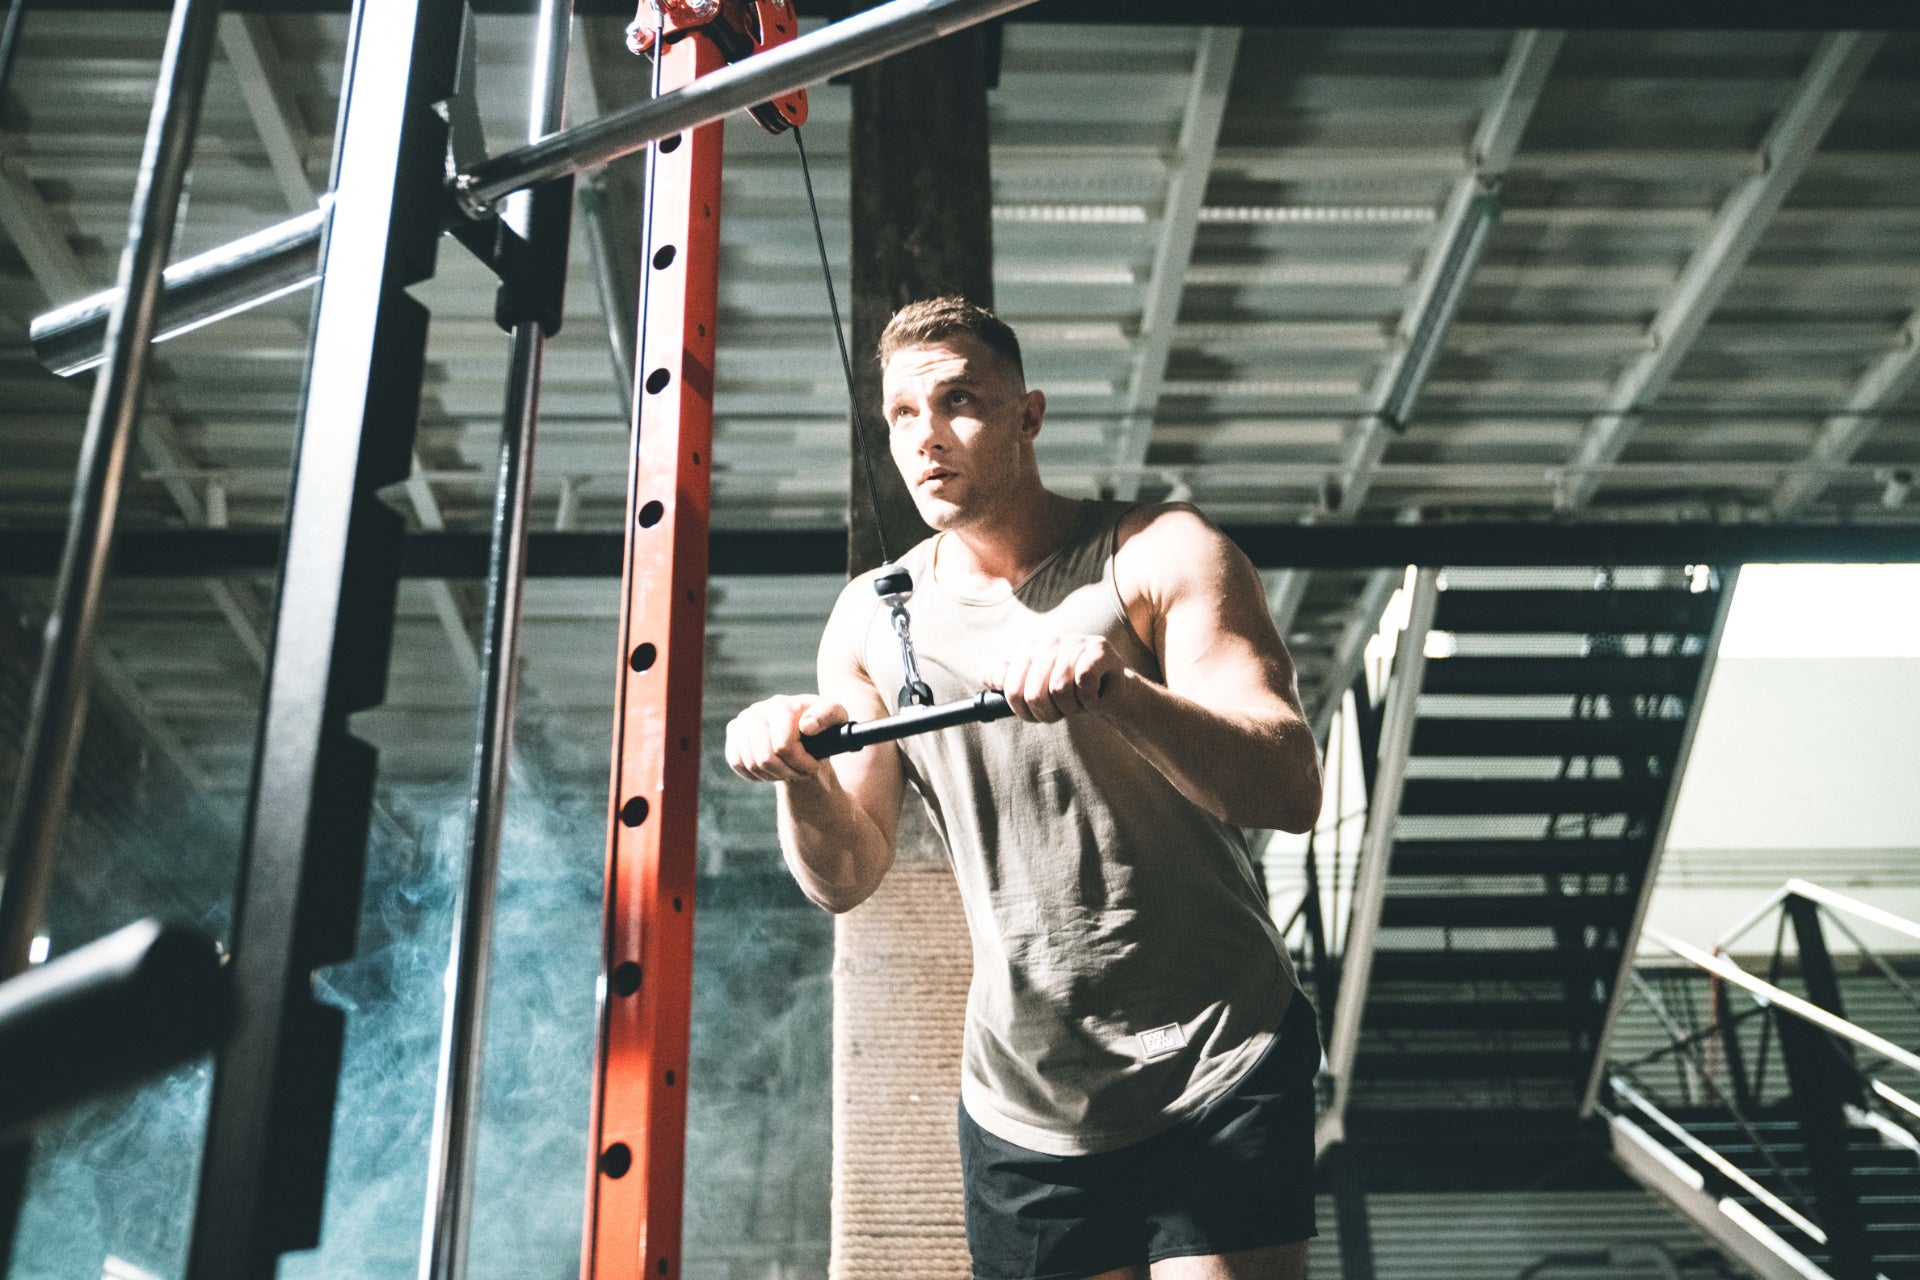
919 323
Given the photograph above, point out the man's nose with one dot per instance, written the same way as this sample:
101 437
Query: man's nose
923 433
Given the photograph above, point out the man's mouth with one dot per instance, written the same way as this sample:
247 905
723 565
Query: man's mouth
932 474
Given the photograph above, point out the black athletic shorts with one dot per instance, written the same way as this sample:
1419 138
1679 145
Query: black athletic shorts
1237 1174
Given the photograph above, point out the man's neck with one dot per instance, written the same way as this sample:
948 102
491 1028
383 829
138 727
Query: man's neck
1005 549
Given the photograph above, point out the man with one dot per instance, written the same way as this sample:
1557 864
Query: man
1136 1087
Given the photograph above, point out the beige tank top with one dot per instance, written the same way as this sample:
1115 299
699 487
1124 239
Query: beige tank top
1125 970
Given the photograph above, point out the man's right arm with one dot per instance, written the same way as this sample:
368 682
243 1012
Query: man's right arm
837 817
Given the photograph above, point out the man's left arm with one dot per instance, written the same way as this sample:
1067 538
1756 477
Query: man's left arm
1226 728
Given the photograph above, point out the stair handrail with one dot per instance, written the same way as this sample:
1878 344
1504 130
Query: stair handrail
1720 1164
1779 997
1687 1044
1376 848
1798 888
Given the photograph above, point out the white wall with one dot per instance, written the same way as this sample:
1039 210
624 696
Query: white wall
1804 765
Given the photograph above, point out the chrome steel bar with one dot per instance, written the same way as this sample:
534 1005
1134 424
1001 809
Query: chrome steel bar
844 46
236 277
60 691
58 711
456 1129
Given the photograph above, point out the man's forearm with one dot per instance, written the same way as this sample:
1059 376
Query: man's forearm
835 851
1257 768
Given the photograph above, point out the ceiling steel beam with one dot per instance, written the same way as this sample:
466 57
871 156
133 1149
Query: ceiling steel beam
615 293
250 54
1885 381
58 271
248 47
1288 589
1836 67
1206 108
426 510
28 222
1363 623
187 553
1449 264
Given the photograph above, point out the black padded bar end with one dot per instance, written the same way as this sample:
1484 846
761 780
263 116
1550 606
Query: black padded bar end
989 704
102 1017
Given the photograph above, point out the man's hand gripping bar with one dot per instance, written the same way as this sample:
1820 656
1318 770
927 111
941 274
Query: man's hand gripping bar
988 704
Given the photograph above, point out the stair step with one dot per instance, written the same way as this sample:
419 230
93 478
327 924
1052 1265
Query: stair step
1510 965
1626 737
1561 675
1519 857
1531 795
1505 911
1472 1064
1440 1015
1578 612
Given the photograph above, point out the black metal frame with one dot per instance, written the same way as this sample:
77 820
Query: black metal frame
263 1178
192 553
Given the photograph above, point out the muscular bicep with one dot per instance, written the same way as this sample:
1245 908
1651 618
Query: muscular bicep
872 776
1212 633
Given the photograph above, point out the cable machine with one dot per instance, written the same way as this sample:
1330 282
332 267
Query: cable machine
405 170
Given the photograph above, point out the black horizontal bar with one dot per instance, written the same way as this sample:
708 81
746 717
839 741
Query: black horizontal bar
1499 911
1511 965
1525 676
197 553
989 704
1470 1064
1457 796
1459 1015
105 1016
1519 857
1576 612
1625 737
1652 15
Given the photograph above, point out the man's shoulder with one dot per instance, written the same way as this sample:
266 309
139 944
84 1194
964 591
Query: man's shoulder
1166 536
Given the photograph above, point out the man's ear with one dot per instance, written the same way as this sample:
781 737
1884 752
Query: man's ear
1032 412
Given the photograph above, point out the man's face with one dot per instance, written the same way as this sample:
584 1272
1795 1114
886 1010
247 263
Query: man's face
957 418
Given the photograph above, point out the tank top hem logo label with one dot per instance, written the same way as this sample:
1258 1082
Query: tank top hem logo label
1161 1041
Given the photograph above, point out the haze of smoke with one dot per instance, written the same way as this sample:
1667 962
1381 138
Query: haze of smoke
118 1178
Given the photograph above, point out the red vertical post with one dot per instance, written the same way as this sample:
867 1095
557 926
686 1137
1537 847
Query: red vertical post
638 1152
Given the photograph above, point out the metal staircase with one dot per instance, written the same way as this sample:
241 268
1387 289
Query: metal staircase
1789 1134
1533 732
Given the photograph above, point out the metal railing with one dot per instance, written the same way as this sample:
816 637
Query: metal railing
1787 1082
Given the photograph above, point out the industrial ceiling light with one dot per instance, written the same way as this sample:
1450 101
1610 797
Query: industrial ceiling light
1127 214
1338 214
1423 344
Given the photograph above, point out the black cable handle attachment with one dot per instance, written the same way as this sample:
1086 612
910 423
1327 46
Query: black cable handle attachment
894 586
